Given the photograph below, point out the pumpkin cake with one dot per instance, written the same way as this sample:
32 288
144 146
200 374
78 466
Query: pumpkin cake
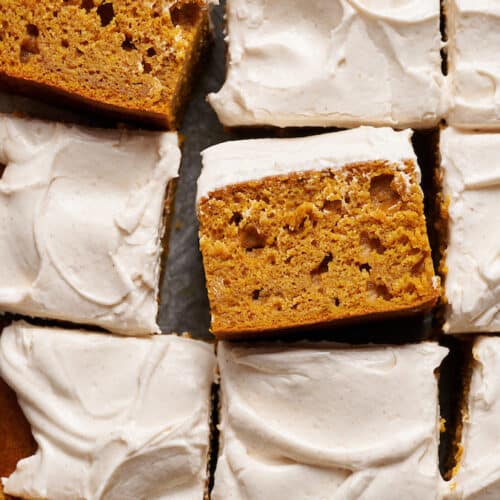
470 173
320 420
113 417
132 60
332 63
83 217
473 28
313 231
476 475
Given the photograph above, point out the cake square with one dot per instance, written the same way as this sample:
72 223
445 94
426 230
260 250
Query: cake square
82 217
332 63
473 28
130 60
313 231
114 417
477 475
470 170
329 421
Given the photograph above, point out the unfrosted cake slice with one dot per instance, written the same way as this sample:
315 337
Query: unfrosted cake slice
477 473
310 421
113 417
470 171
473 64
82 217
313 231
134 60
332 63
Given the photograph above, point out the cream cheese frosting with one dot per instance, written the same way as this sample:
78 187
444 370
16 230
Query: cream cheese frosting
474 66
114 417
478 476
471 182
325 421
81 222
235 162
332 63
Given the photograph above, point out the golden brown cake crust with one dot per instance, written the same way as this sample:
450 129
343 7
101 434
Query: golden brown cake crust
16 439
316 248
130 60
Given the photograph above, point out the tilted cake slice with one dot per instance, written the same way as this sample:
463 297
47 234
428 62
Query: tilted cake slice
82 217
313 231
113 417
340 63
470 171
131 60
308 421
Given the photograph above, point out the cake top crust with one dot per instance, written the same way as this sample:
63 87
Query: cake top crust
234 162
332 63
81 222
114 417
471 182
308 421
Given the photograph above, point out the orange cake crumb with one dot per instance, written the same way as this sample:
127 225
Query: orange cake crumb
315 248
132 59
16 439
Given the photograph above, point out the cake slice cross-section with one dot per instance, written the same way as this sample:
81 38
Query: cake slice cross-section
320 420
332 63
470 171
83 222
131 60
313 231
113 417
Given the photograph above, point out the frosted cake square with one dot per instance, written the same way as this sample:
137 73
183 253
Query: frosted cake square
328 421
113 417
476 475
470 171
83 213
473 28
331 63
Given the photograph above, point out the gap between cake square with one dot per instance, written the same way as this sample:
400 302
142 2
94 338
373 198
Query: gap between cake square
473 29
332 63
113 417
470 218
476 473
83 222
129 60
315 231
320 420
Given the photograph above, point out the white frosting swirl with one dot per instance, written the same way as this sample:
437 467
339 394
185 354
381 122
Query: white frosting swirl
332 63
113 417
81 222
478 476
309 421
471 182
234 162
474 66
